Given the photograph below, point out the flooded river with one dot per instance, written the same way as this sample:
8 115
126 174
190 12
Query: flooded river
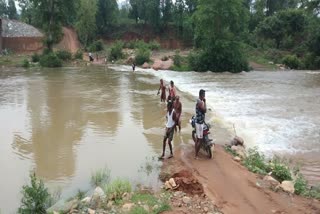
66 123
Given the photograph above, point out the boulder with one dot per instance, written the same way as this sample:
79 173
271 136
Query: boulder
270 181
86 200
63 206
97 197
172 182
240 151
237 158
146 65
237 141
162 65
287 186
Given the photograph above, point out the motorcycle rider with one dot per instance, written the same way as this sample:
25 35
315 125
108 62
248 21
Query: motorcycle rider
201 109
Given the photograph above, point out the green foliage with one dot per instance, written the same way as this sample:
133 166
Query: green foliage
78 55
50 60
107 14
142 56
177 59
255 162
116 51
25 63
64 55
80 194
96 46
34 197
12 10
300 185
35 57
137 44
154 45
138 210
148 199
292 61
164 206
101 177
280 170
117 188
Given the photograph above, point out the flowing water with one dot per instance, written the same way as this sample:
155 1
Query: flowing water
66 123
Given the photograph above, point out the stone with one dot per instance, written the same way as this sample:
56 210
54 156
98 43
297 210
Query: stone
127 207
240 151
146 65
63 206
99 192
86 200
287 186
167 185
237 158
178 194
172 182
236 141
206 209
186 200
271 182
91 211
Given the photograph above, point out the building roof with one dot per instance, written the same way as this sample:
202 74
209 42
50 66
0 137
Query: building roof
13 28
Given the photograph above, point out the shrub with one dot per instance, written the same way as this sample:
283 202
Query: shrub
116 51
35 57
50 60
280 170
177 59
165 58
311 61
25 63
138 210
300 185
255 162
78 55
64 55
154 45
117 188
292 61
34 197
143 55
100 177
96 46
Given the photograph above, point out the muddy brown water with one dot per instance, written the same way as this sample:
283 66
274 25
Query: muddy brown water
66 123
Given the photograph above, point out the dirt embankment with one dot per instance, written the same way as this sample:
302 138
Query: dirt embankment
232 188
70 41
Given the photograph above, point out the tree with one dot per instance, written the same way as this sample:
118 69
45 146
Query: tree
3 8
166 9
86 24
153 13
219 25
12 10
107 14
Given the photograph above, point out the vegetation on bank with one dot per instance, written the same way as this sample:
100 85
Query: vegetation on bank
117 196
279 169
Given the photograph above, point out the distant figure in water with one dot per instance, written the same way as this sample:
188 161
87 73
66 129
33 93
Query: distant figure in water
133 67
172 91
178 109
90 57
162 87
168 135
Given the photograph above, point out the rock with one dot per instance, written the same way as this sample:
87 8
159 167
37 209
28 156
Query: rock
186 200
206 209
146 65
237 158
240 151
127 207
167 185
97 197
91 211
162 65
172 182
99 192
271 182
63 206
236 141
287 186
86 200
178 194
110 204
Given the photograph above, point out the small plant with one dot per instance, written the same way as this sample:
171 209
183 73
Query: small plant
96 46
50 60
100 177
117 188
292 61
148 199
177 59
280 170
116 51
35 57
25 63
164 206
300 185
64 55
34 197
255 162
78 55
80 194
154 45
138 210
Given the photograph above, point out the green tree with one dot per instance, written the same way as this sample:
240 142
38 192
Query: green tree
153 14
86 24
166 9
12 10
219 25
107 14
3 8
27 11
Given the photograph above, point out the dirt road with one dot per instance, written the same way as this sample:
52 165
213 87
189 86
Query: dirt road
234 189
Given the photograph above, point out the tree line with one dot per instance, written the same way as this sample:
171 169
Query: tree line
220 30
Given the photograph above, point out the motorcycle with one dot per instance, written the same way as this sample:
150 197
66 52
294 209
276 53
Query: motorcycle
206 143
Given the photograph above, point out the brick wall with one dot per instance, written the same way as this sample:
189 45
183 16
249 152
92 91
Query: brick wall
22 43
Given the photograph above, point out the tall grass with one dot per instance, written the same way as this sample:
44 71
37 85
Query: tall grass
100 177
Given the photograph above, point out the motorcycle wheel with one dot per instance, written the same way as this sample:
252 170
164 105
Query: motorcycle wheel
208 150
194 136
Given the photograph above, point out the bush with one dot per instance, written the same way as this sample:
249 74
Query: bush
64 55
280 170
143 55
34 197
25 63
165 58
300 185
35 57
117 188
255 162
292 61
78 55
50 60
311 61
177 59
154 45
116 51
96 46
100 177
